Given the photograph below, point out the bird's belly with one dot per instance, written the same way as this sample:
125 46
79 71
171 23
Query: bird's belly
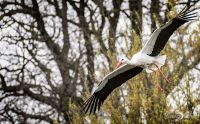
141 59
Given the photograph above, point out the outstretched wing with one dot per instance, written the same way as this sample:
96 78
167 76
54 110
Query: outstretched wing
160 36
108 84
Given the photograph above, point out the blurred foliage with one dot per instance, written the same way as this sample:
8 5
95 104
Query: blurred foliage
86 42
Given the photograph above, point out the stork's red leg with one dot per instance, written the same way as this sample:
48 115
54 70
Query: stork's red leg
158 84
159 87
165 77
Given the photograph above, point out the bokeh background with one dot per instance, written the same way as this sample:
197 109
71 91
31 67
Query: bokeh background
53 54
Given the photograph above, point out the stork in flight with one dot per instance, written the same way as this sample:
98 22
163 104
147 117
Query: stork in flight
147 58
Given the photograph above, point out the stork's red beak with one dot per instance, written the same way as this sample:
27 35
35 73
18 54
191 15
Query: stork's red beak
119 63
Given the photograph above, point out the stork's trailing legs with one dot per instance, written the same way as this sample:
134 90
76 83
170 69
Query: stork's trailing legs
165 77
158 84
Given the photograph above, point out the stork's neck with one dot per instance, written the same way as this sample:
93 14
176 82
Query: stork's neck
127 61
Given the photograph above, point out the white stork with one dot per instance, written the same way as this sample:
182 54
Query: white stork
145 58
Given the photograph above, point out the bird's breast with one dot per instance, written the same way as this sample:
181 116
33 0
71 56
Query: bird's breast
141 59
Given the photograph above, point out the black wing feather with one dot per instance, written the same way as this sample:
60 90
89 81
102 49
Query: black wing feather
184 16
96 100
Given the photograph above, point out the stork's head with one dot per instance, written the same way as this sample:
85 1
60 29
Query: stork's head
120 62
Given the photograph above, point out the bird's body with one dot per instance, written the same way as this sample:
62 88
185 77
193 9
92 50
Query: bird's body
144 59
141 59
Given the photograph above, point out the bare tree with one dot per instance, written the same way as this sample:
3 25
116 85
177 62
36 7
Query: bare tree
51 49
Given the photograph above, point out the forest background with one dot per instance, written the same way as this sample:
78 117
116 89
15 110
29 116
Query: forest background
55 52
